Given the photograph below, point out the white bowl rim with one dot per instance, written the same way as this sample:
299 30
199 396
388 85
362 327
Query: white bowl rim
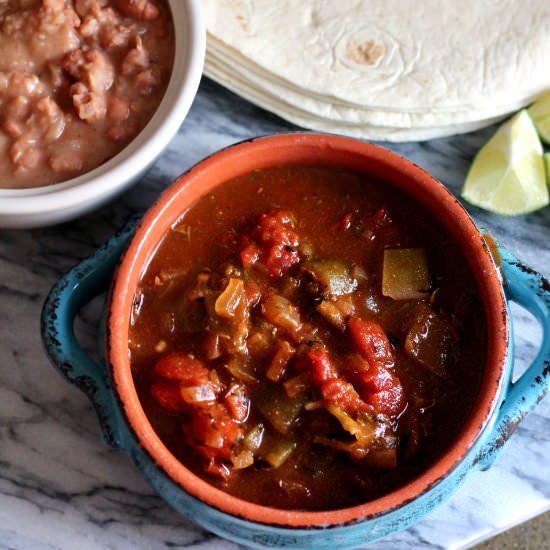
190 46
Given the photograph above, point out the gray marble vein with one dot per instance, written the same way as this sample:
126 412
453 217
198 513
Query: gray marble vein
60 488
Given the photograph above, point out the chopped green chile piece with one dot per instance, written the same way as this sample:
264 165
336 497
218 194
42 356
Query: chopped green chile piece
279 452
279 410
405 273
430 340
253 439
333 276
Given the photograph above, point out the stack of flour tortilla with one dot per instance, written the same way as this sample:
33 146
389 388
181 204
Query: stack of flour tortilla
387 70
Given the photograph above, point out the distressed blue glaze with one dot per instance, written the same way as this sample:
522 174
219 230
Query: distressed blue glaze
67 297
92 277
532 291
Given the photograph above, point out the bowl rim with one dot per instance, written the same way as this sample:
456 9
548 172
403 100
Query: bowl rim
119 171
143 244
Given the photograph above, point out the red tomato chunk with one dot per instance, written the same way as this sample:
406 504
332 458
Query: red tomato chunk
272 245
371 342
271 362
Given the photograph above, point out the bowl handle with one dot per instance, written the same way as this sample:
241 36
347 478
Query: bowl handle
67 297
531 290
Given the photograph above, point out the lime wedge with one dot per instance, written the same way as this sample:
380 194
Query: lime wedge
508 174
547 166
540 113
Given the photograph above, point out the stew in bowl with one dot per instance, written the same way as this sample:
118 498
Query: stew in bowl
303 328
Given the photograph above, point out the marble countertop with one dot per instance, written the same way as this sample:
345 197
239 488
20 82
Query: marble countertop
60 488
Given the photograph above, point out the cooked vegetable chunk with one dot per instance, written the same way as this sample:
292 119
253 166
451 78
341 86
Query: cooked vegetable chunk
405 273
280 452
279 409
282 313
332 276
230 299
430 341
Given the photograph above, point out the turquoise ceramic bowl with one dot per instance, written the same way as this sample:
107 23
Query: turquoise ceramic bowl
510 401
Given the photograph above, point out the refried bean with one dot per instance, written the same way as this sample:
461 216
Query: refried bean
79 79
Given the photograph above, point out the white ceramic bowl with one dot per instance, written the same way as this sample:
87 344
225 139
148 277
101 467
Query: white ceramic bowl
25 208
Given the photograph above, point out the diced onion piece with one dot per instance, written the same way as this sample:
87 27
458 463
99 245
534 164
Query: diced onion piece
198 394
371 435
405 273
282 313
364 428
332 314
228 301
280 360
332 275
211 346
242 460
241 370
280 452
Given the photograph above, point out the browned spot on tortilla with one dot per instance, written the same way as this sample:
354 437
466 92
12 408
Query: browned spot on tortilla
238 7
243 22
365 53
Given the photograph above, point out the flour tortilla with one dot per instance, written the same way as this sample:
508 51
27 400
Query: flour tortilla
267 85
438 56
233 82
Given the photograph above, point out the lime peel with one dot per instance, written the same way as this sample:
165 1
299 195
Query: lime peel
508 175
539 112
